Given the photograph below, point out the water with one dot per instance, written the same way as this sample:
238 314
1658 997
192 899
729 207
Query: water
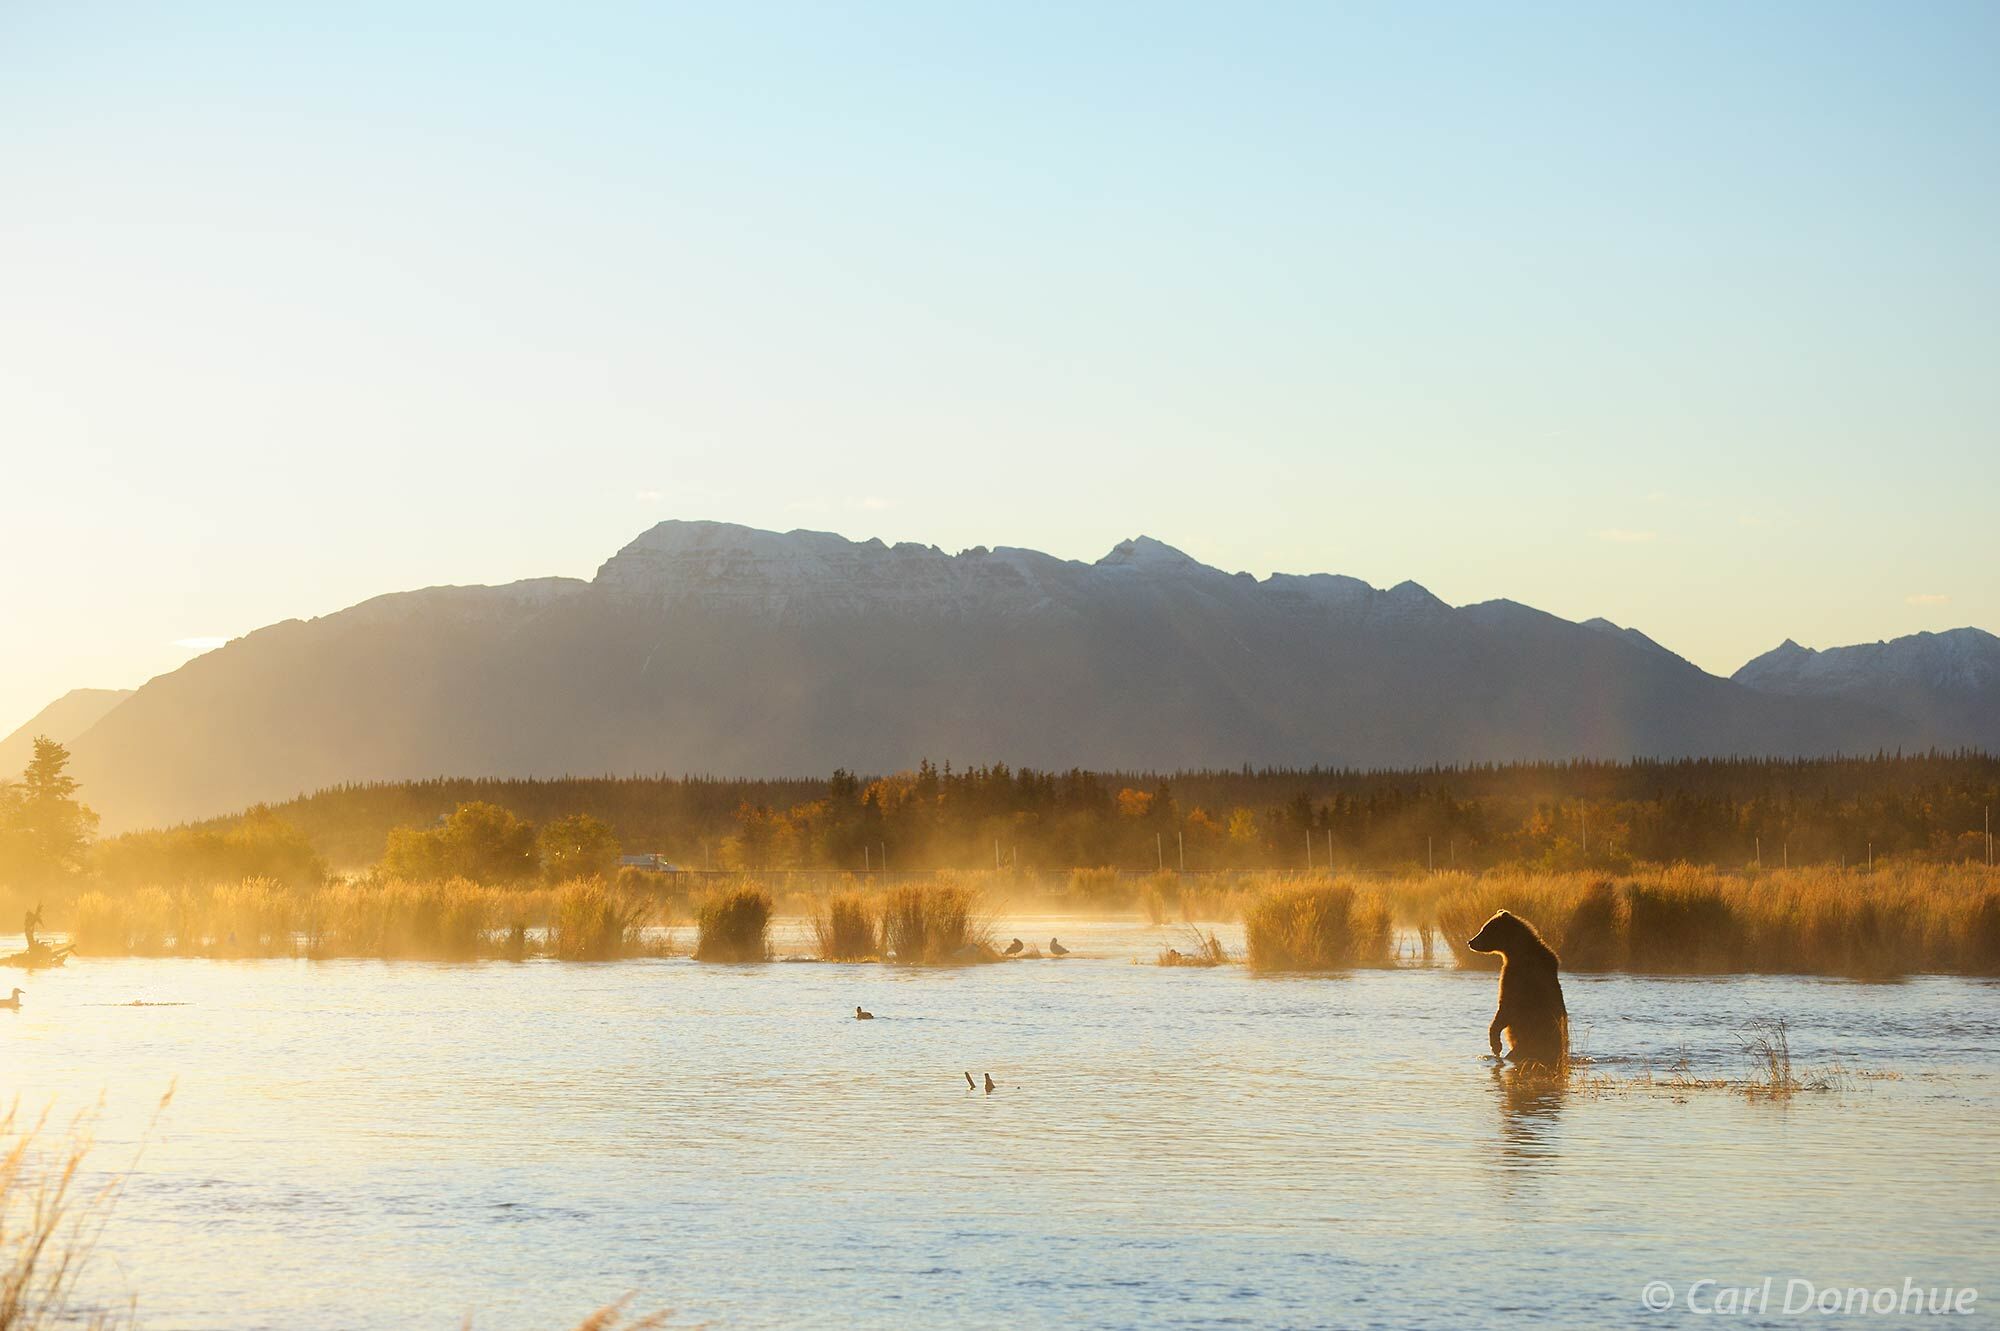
361 1144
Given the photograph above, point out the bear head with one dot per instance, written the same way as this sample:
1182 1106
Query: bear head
1503 933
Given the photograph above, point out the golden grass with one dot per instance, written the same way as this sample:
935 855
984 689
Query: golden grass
454 920
933 924
1682 920
843 927
1896 920
1317 927
50 1224
733 924
593 922
448 920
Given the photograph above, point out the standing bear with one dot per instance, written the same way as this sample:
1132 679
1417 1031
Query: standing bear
1531 997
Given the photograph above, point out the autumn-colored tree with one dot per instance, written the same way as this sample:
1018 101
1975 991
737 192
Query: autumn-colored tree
259 845
578 846
480 841
1134 803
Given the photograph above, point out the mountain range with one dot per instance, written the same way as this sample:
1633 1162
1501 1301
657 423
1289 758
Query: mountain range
709 647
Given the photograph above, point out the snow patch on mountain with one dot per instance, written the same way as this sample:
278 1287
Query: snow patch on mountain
1964 660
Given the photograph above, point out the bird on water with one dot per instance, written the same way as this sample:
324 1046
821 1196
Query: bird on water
13 1003
989 1083
970 1084
1057 949
859 1015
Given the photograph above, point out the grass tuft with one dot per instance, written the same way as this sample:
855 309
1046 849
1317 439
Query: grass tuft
933 924
843 928
593 922
733 925
1317 928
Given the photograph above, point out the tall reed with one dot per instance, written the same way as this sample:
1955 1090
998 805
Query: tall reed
1314 927
593 922
444 920
931 924
733 924
49 1225
1684 920
843 928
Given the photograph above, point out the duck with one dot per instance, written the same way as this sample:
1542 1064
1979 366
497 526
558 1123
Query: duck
1057 949
859 1015
1013 948
13 1001
989 1083
970 1084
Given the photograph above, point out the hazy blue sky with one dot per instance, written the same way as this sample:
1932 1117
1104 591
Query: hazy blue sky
1684 315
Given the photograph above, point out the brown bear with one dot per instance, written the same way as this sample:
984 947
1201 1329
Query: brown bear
1531 997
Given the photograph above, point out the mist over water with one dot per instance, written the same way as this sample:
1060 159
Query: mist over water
366 1144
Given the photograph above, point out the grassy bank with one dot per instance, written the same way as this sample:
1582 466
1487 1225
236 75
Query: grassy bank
1906 920
583 920
1896 920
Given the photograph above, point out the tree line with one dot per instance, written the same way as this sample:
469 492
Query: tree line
1555 816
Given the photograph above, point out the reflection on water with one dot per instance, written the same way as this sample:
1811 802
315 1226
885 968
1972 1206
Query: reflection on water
1531 1101
363 1144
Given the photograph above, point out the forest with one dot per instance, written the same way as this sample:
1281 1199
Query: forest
1553 817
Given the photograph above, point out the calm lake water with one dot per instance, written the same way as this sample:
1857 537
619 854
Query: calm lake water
364 1144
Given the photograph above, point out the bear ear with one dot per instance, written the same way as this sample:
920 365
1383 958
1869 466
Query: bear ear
1503 914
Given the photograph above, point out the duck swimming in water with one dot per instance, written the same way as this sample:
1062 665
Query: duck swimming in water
13 1004
859 1015
989 1083
1057 949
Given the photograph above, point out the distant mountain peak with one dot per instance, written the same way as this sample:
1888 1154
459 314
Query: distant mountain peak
1146 552
62 721
1961 662
1412 596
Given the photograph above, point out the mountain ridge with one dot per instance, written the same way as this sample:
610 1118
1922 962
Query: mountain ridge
62 721
702 646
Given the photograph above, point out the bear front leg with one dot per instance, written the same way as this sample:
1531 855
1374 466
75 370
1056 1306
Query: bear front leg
1493 1031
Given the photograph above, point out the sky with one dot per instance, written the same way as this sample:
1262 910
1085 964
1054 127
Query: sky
1687 316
